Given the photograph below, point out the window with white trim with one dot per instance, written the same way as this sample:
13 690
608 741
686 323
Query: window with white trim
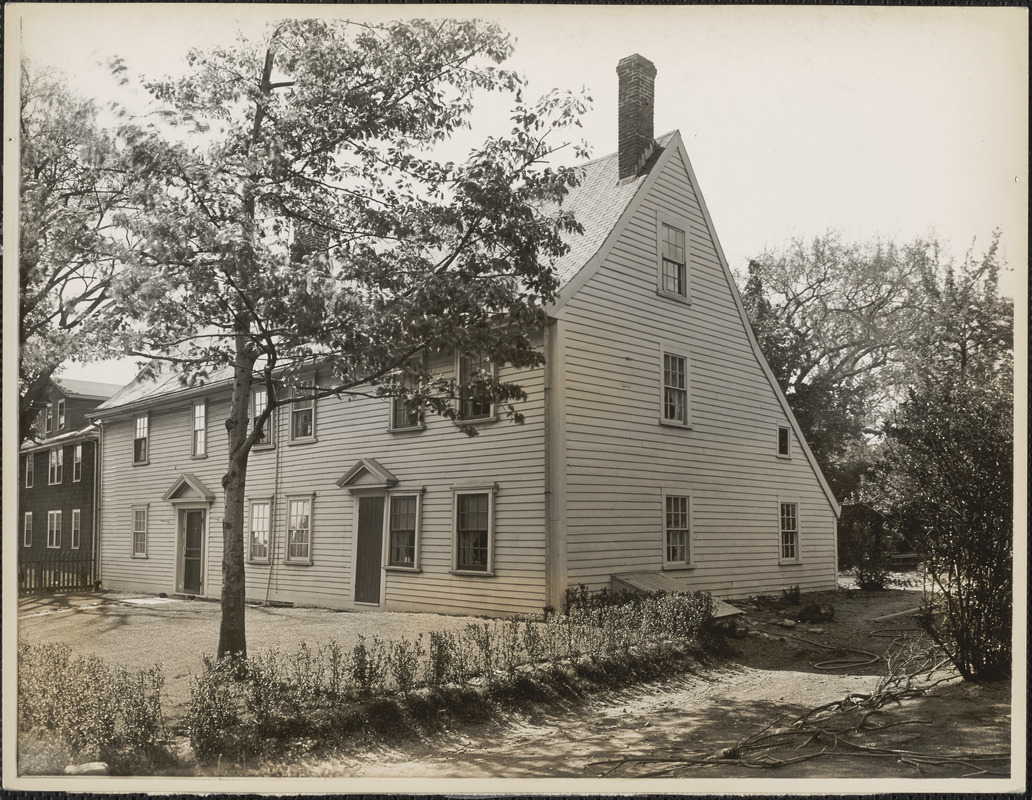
60 414
53 529
470 368
261 519
56 472
77 464
30 470
789 532
139 543
474 524
259 402
673 277
403 531
76 528
27 530
299 530
302 414
48 423
784 441
405 414
141 437
199 443
675 389
677 530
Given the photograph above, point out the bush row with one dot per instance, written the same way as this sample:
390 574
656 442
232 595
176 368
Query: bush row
271 695
85 710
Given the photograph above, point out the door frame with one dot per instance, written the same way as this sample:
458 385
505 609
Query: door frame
357 493
180 512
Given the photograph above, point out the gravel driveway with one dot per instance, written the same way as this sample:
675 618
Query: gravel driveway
139 631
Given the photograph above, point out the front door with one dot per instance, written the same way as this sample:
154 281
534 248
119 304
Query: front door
193 549
370 548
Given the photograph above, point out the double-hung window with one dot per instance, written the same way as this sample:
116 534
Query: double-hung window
140 439
405 414
675 389
199 442
27 530
30 470
60 415
56 472
139 542
299 530
259 402
474 531
677 526
471 369
76 528
48 423
53 529
302 414
403 531
673 279
261 519
77 464
789 531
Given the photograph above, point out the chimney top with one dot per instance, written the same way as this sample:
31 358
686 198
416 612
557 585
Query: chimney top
637 77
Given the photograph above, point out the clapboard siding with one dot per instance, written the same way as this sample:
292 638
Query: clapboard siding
617 457
433 460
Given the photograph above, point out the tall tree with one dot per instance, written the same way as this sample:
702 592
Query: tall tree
72 188
946 479
835 322
301 219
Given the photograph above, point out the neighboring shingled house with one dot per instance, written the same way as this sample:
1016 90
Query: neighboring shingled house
57 488
657 450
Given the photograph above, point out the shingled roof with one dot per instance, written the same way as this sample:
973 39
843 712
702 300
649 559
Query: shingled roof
89 390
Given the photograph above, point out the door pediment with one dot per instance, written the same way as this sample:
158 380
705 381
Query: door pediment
188 488
367 473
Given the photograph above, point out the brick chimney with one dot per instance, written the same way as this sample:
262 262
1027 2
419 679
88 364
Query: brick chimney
637 102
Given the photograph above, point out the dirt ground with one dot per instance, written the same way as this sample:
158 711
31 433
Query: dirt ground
768 674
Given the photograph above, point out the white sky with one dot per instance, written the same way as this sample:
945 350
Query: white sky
899 122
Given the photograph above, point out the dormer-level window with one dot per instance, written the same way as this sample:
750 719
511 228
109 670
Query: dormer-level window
672 258
48 419
60 414
140 439
784 442
470 367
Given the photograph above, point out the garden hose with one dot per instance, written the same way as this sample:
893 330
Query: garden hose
834 663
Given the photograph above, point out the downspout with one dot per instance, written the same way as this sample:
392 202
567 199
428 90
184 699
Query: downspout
97 495
550 544
273 505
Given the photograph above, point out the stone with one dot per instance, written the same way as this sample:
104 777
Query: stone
816 630
788 624
755 633
90 768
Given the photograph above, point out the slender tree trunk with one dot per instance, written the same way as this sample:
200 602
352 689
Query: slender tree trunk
33 401
232 636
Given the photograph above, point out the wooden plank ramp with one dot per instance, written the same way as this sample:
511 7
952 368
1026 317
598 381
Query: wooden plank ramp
664 582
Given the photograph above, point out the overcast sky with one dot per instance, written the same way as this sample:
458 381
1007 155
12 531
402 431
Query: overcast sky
899 122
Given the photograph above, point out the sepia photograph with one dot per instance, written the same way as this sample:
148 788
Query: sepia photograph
514 399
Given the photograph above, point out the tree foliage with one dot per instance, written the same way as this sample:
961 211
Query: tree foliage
947 473
299 219
72 189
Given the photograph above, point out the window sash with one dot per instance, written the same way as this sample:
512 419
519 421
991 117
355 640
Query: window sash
260 527
77 464
259 401
48 421
140 440
472 528
200 418
60 414
56 471
469 366
27 530
789 531
54 526
674 266
302 415
299 523
405 413
30 470
675 388
678 530
76 528
402 531
139 531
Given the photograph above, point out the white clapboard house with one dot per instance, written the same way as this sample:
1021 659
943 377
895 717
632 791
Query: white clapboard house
657 452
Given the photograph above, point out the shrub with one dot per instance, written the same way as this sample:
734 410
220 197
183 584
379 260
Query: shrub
403 658
368 665
213 714
440 656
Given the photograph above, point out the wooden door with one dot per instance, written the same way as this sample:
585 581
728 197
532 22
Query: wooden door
370 549
193 550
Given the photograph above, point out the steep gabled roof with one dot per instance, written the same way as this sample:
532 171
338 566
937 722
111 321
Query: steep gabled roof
166 383
87 390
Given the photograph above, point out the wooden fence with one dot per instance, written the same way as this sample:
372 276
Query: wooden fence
56 573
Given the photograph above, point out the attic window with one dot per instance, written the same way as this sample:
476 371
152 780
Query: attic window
784 442
673 278
60 414
48 421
